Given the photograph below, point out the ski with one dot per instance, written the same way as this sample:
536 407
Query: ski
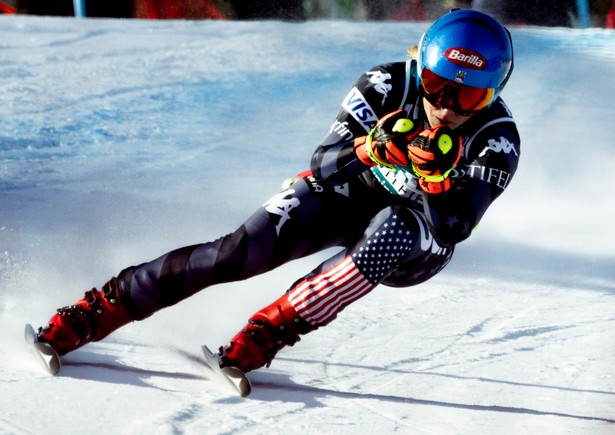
48 356
227 376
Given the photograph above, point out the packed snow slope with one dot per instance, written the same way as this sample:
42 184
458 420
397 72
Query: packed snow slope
121 140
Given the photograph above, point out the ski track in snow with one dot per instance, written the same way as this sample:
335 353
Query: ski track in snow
123 139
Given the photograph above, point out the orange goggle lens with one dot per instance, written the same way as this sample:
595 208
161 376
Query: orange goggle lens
464 100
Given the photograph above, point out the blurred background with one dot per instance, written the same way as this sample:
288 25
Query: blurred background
564 13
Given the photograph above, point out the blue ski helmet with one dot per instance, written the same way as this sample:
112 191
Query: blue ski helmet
468 47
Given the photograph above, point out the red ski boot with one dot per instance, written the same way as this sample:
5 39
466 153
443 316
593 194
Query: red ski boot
267 331
92 318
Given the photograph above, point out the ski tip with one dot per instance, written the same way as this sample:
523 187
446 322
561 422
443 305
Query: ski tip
29 334
50 357
230 376
46 353
239 380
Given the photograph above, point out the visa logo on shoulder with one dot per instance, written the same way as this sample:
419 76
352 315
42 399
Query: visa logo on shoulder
355 105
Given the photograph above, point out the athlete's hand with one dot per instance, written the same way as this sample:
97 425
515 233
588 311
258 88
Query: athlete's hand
388 141
433 154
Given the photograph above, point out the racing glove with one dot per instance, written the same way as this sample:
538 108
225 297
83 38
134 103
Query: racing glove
387 143
433 155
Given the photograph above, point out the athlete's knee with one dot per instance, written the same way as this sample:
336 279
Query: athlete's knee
419 269
402 248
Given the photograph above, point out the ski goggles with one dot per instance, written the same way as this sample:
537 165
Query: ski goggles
447 94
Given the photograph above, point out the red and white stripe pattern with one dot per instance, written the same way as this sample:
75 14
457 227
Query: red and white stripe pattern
318 300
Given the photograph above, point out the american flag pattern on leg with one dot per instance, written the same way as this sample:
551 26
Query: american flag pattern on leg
385 249
318 298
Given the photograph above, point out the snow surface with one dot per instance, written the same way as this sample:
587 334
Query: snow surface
121 140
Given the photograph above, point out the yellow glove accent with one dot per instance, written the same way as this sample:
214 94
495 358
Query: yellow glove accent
445 143
403 125
370 153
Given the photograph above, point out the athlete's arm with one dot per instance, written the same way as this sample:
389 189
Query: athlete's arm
477 182
379 91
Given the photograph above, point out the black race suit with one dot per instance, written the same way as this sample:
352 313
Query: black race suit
389 231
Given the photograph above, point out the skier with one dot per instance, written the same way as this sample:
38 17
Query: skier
418 152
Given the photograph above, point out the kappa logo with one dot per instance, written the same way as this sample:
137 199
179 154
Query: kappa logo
502 146
466 58
378 79
355 105
281 205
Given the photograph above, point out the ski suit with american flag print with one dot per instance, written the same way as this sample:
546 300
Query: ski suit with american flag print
388 230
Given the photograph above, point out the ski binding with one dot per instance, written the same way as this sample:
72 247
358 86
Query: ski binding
47 354
227 376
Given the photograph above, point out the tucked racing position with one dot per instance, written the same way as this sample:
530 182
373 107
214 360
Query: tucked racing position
417 154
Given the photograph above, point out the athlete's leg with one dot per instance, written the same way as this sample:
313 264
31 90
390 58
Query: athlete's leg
396 237
297 222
